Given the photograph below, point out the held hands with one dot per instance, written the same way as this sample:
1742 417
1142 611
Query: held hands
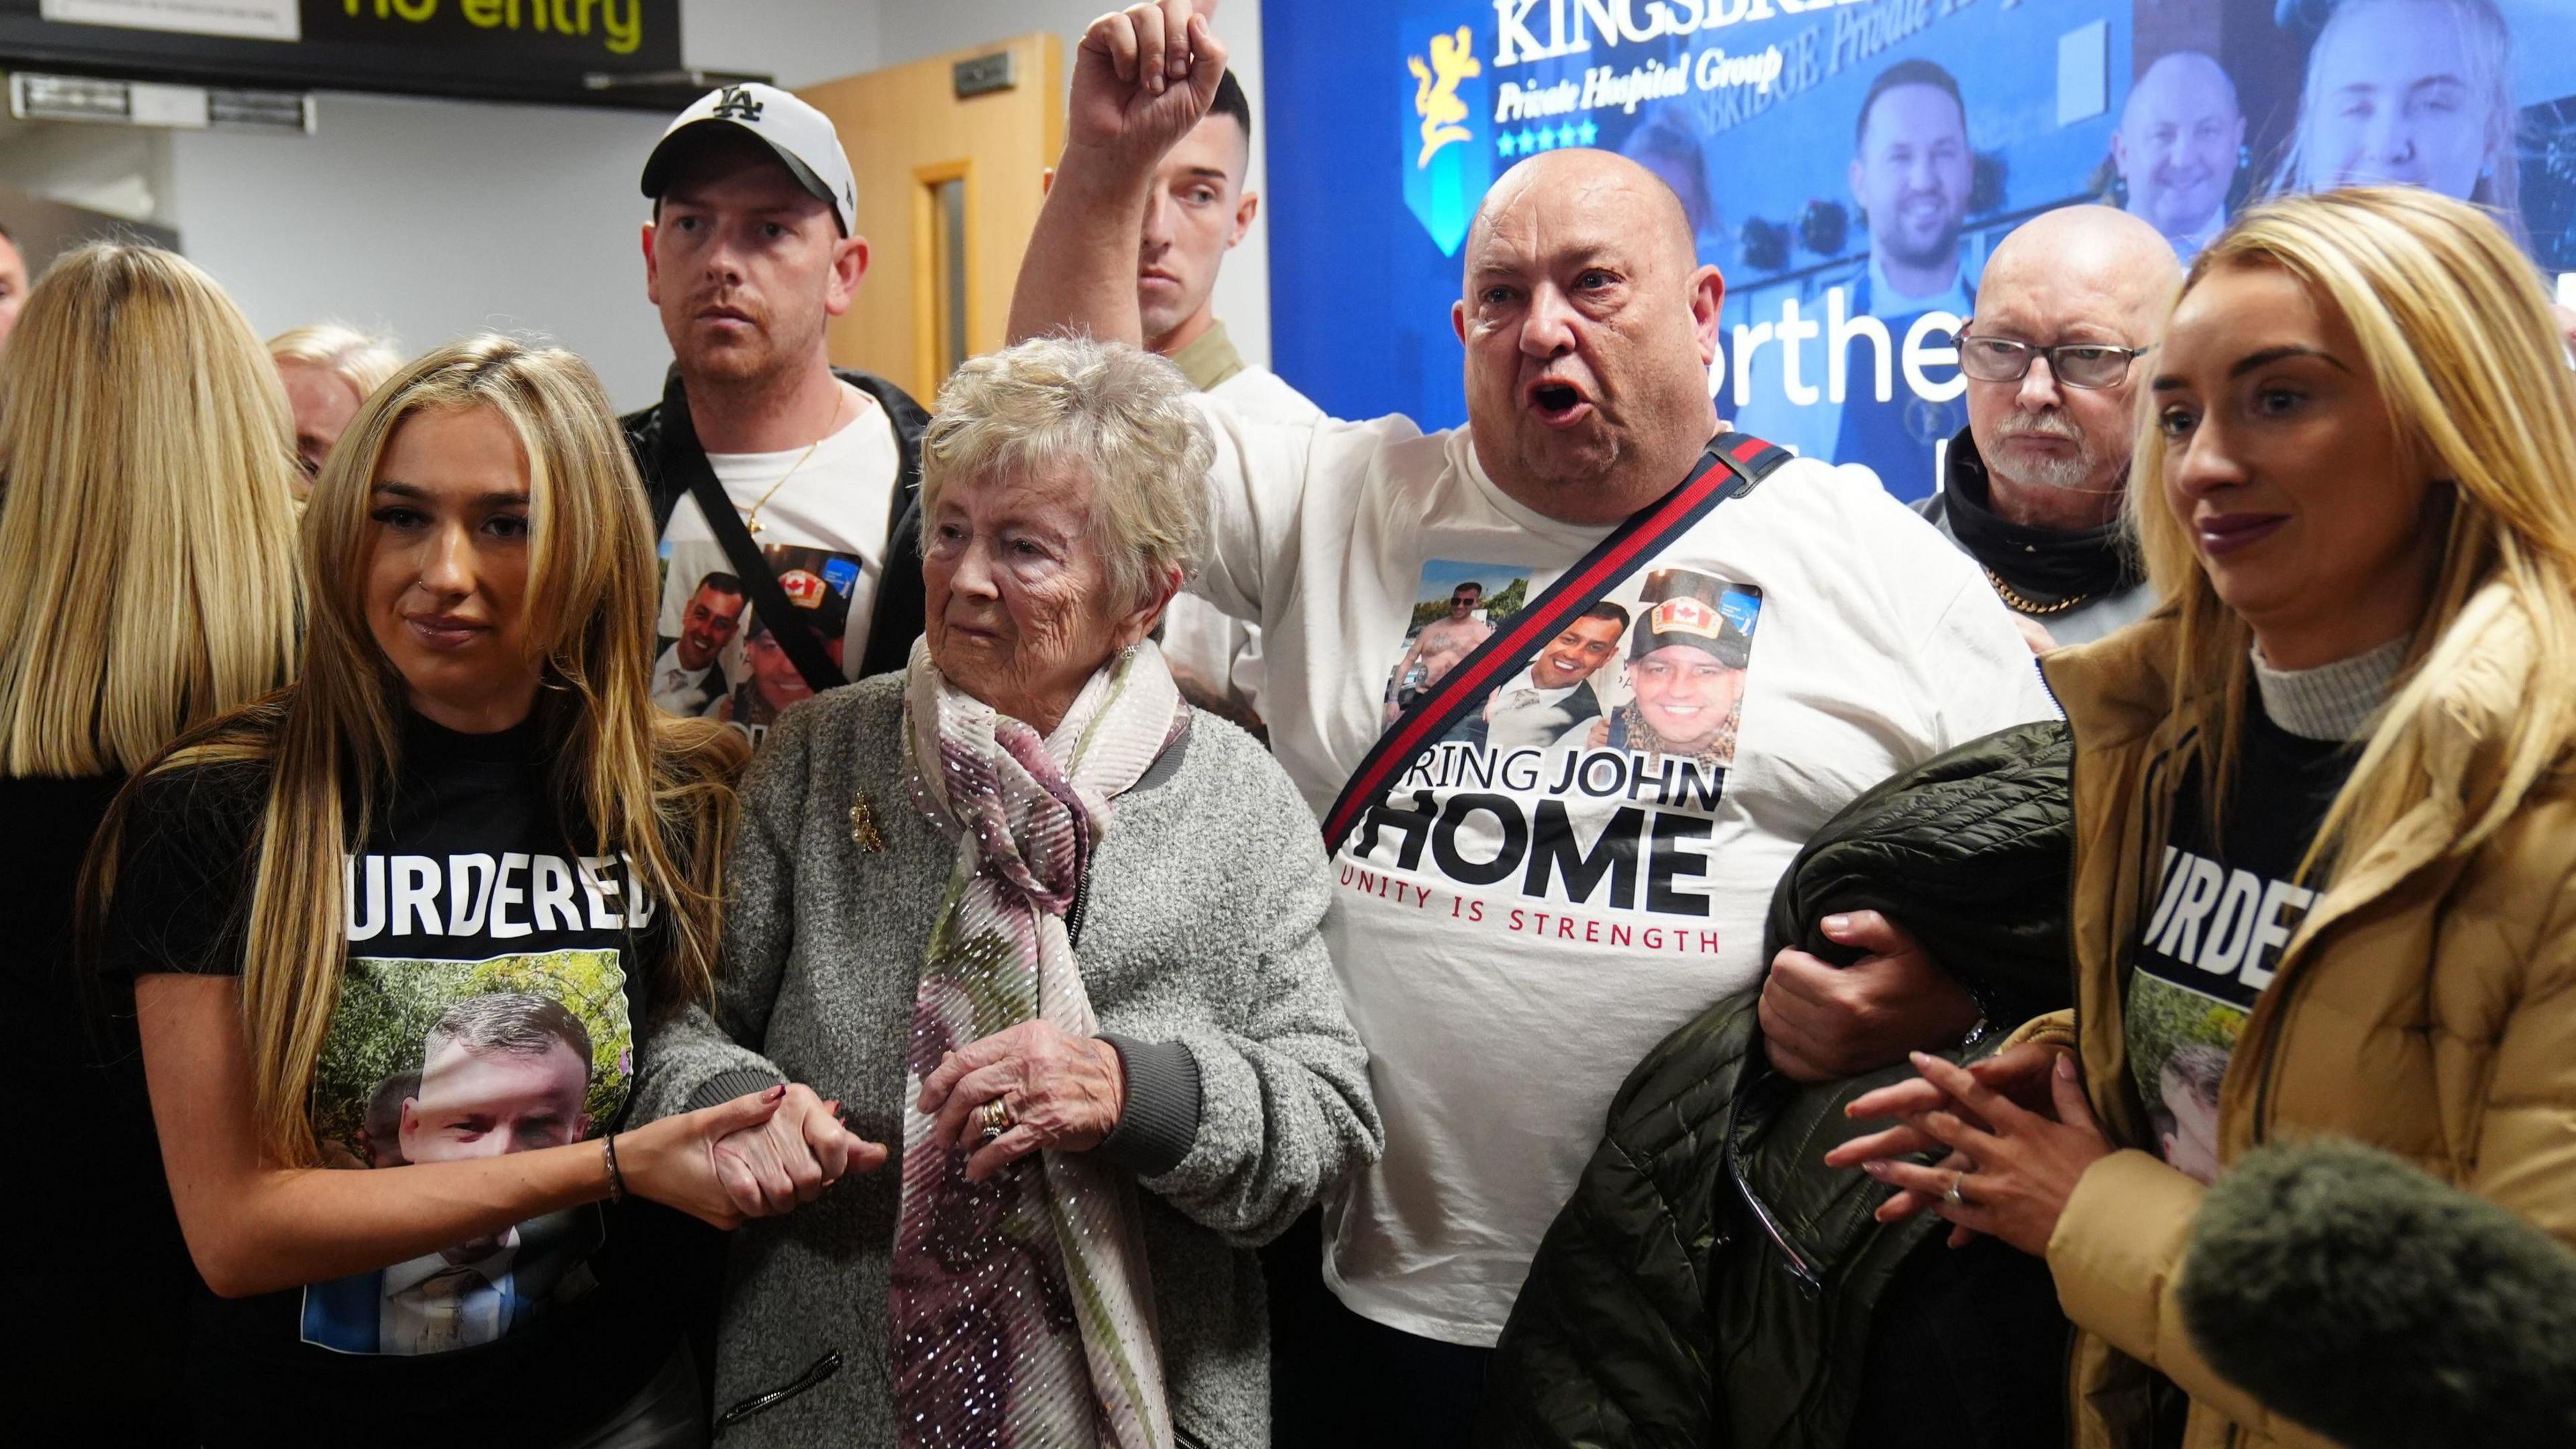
2011 1167
789 1159
1142 78
694 1161
1821 1022
1055 1091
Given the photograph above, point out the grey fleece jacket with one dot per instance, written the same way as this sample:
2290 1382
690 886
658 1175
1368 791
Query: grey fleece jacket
1248 1089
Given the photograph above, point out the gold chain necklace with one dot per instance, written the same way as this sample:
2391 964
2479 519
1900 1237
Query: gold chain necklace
751 520
2027 605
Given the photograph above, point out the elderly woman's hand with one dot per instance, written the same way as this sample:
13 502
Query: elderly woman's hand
1056 1091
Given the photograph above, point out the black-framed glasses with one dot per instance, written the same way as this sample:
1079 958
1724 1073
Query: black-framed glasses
2076 364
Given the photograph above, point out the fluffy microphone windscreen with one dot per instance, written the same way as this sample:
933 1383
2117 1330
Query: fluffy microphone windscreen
2381 1307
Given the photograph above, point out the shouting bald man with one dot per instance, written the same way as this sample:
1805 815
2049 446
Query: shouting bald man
1515 927
2032 489
2177 148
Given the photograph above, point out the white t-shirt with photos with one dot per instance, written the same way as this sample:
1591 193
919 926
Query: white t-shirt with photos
824 529
1518 923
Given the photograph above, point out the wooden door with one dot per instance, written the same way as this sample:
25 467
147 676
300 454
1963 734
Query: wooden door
948 194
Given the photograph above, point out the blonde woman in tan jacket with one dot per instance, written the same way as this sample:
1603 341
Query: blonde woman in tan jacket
2325 870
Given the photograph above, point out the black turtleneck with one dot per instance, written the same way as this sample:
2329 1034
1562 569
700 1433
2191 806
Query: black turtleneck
2043 564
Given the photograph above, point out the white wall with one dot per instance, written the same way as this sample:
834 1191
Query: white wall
434 219
799 42
910 29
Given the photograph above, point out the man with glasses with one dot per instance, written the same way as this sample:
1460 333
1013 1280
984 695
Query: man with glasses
2032 488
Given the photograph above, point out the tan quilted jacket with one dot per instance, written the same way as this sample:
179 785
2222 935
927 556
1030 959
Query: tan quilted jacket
2425 1007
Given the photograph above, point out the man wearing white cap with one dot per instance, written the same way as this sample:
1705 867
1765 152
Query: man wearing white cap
762 459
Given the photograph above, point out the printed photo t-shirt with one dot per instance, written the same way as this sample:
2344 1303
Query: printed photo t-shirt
2227 904
1585 866
824 534
491 1002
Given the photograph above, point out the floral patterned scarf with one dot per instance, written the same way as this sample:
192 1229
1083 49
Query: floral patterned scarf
1023 1310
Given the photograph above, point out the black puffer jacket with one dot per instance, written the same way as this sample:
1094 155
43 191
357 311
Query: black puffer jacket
1711 1281
667 453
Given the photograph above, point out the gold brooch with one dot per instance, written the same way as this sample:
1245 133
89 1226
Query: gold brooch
863 826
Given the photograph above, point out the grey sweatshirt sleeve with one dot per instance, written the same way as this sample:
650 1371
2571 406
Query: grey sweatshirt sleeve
698 1058
1164 1105
689 1062
1286 1114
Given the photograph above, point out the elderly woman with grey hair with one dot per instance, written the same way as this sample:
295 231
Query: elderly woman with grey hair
1029 916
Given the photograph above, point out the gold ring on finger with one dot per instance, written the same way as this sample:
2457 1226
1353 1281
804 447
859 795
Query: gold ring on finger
995 1118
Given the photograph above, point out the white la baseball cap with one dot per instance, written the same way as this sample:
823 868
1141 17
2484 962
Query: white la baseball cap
801 135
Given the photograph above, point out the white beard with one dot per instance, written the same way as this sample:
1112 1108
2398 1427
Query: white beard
2047 470
2053 472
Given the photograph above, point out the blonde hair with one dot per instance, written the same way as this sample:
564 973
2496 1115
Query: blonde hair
364 362
2488 43
652 788
147 567
1114 414
2458 340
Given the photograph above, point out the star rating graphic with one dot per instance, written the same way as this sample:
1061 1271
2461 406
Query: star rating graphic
1527 140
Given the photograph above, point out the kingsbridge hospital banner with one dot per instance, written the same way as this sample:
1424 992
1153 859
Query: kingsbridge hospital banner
1848 164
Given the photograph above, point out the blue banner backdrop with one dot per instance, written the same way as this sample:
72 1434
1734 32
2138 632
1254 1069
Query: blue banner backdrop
1849 163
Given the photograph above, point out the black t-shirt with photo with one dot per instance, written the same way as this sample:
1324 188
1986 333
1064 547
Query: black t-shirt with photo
497 979
2226 904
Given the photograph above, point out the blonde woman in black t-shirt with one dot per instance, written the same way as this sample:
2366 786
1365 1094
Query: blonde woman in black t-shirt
419 916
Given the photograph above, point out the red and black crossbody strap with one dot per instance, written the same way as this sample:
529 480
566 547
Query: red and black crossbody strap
1733 464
